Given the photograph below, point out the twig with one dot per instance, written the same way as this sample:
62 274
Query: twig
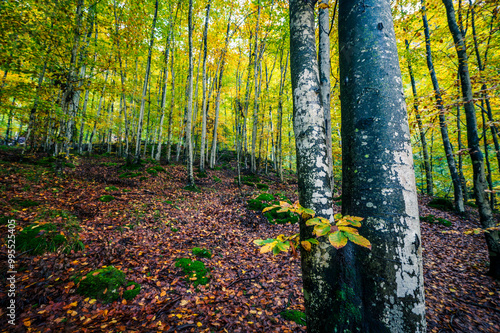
480 305
172 302
243 279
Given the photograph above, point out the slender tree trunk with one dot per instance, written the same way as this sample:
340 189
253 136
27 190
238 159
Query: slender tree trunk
460 146
253 167
423 141
172 101
98 113
190 100
448 149
204 79
485 213
283 69
144 90
324 77
217 102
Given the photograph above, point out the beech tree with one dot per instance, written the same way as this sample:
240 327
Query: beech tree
353 290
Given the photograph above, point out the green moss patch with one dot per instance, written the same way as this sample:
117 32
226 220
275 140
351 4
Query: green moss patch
129 174
192 188
203 253
4 219
202 175
106 198
47 237
442 204
107 284
153 171
294 315
24 203
435 220
217 179
195 271
261 186
112 188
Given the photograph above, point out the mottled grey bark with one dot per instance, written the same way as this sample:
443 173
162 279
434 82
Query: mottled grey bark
378 178
448 149
163 100
324 78
423 140
145 88
485 214
312 166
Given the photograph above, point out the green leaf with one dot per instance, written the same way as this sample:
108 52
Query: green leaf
360 240
349 230
337 239
313 221
321 230
312 241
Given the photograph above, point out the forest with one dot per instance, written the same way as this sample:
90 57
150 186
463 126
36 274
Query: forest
250 165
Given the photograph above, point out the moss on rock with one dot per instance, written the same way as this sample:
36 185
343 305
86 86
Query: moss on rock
294 315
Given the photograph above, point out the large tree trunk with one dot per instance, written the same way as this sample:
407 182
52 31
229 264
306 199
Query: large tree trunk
448 149
190 100
423 141
485 214
378 178
145 89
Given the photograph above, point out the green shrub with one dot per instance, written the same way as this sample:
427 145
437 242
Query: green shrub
106 198
106 284
143 178
155 169
442 204
294 315
195 271
261 186
203 253
248 183
217 179
265 200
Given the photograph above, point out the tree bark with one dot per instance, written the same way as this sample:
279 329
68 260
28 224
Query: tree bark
378 178
448 149
485 213
253 166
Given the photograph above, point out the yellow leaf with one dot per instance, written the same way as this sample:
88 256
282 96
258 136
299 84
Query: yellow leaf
452 290
27 323
92 301
349 230
337 239
269 208
268 247
124 301
163 293
179 316
323 6
360 240
199 324
306 245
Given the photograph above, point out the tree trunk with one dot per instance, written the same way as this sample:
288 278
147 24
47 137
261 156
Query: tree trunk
98 113
145 89
283 69
423 141
448 149
324 79
485 214
204 83
378 179
312 166
190 100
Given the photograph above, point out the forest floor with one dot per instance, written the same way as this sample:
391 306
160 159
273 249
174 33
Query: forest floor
153 221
